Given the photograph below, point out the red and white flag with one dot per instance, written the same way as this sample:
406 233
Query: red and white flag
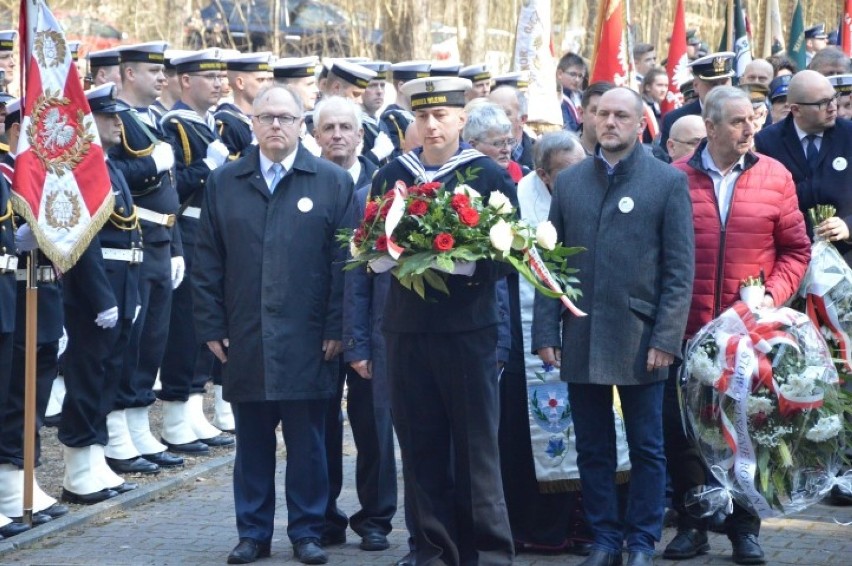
677 65
61 185
846 28
610 61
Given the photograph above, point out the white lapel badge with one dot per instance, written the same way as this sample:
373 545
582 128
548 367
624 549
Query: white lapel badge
625 205
305 204
839 164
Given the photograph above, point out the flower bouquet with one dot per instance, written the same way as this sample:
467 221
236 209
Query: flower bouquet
426 232
761 396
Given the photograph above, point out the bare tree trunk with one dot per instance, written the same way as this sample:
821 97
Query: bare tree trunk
407 33
472 44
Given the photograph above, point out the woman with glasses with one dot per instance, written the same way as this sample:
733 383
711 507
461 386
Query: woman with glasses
489 131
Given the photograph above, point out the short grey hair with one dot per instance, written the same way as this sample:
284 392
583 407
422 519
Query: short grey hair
714 103
552 143
483 119
267 91
523 105
337 104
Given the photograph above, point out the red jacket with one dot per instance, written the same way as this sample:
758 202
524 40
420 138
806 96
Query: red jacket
765 230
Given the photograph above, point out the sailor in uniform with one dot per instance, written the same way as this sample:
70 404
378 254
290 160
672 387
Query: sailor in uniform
397 117
480 77
104 67
300 74
247 74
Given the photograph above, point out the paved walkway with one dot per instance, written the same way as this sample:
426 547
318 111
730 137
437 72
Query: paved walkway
194 524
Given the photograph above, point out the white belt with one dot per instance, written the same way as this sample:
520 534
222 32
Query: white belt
167 220
44 274
192 212
8 263
132 256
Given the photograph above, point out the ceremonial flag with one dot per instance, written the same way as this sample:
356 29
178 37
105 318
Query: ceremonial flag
61 185
742 45
796 43
845 38
533 54
677 65
610 59
773 37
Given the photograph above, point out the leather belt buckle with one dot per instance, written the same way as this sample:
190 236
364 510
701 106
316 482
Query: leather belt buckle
170 221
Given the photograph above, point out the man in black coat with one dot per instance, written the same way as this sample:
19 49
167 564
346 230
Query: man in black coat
442 358
709 72
268 290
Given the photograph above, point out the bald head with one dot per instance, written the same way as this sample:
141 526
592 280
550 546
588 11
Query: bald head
805 83
759 71
686 133
812 102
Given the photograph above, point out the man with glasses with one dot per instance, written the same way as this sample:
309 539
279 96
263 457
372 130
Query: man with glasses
268 289
7 57
187 365
570 74
709 72
686 134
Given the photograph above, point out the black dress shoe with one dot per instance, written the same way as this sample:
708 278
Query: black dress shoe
308 551
687 543
196 447
137 465
39 518
220 440
13 529
374 541
55 511
579 548
333 539
409 559
247 551
53 420
88 498
746 549
125 487
640 559
602 558
164 459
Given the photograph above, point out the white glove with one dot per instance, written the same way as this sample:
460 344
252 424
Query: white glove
178 270
217 153
164 156
107 318
383 146
25 240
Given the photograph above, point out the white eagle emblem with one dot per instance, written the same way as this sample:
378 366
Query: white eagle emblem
57 134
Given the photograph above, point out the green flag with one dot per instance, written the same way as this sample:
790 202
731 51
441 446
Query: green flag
742 44
796 43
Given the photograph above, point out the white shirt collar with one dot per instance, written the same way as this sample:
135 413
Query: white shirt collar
287 162
710 165
355 170
802 134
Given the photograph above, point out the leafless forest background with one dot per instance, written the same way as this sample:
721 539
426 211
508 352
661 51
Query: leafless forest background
410 27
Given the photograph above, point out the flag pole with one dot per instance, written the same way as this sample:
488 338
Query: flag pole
628 42
731 31
30 385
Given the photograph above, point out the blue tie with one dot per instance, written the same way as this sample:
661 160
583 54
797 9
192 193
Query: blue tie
279 172
811 152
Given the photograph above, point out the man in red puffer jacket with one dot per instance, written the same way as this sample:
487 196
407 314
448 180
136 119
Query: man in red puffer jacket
747 223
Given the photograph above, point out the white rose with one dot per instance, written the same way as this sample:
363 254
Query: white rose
500 203
466 190
545 235
501 236
353 249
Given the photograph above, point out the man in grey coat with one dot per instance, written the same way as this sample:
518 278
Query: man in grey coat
268 292
633 215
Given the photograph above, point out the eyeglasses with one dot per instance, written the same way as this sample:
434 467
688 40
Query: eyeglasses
820 103
207 76
499 144
691 143
575 75
283 119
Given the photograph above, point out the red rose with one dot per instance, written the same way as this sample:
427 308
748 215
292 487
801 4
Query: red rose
429 189
469 216
443 242
359 236
371 211
383 211
418 208
459 202
382 243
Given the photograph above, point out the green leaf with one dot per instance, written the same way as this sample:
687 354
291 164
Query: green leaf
436 281
418 286
444 262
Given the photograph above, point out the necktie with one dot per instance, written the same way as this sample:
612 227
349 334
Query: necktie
279 172
811 152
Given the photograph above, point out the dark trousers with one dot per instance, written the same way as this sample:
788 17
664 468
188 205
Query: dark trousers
375 463
306 477
93 361
187 364
594 424
687 469
12 423
444 394
6 345
144 353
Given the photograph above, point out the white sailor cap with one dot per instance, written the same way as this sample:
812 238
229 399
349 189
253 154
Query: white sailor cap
444 69
170 54
294 67
104 99
714 66
199 61
519 80
13 110
381 69
104 58
248 62
150 52
410 70
475 73
841 83
5 98
436 91
353 73
7 39
74 48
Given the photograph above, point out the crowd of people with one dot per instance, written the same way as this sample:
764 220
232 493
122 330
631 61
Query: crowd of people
521 427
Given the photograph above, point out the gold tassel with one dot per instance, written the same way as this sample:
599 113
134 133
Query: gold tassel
184 142
134 152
